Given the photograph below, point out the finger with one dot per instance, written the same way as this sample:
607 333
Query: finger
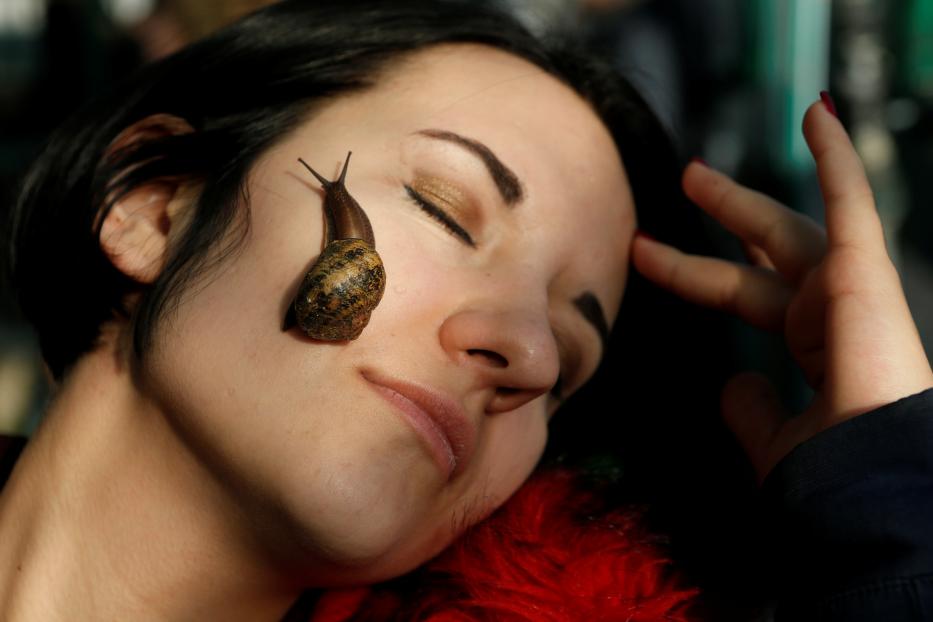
752 410
793 242
875 355
758 296
851 217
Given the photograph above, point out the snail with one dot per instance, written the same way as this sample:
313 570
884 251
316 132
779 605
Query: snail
340 291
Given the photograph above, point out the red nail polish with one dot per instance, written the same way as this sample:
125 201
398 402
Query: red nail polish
699 160
643 234
829 103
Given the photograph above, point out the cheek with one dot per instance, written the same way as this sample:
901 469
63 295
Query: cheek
514 442
517 442
295 433
425 274
254 403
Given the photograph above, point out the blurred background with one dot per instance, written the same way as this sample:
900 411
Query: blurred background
730 78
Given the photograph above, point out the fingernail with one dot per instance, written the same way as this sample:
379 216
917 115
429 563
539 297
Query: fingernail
642 233
699 160
829 103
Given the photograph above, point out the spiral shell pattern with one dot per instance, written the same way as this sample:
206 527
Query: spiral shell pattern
340 291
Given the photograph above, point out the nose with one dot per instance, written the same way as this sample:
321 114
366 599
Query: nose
514 351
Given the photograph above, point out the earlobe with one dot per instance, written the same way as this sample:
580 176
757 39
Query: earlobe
135 231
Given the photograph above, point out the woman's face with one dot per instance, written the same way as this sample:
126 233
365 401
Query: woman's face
365 458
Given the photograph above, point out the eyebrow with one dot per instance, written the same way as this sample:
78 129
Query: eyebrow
588 305
506 181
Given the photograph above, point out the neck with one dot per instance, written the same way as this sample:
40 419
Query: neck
112 517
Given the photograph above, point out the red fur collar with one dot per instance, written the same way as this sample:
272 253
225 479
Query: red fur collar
548 554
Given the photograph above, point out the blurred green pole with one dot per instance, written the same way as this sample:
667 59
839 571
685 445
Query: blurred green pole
792 67
915 30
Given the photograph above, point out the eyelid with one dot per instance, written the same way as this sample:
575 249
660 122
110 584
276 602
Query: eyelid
440 215
557 390
570 360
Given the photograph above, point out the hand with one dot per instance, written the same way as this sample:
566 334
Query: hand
836 296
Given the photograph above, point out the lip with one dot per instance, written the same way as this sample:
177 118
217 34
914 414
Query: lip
439 420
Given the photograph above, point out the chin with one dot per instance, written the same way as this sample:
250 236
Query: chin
377 551
364 524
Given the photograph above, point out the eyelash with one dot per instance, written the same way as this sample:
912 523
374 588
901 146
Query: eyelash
439 215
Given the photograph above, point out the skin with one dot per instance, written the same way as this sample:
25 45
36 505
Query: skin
236 463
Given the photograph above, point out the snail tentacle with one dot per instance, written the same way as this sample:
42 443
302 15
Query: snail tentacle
346 215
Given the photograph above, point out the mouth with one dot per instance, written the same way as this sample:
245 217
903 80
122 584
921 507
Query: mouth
439 420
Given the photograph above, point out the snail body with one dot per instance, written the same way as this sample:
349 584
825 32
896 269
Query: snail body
339 292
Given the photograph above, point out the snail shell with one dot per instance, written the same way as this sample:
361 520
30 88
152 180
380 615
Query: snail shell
340 291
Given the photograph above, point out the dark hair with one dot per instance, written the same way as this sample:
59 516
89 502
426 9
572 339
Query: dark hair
242 89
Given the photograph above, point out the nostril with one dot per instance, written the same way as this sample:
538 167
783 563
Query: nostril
488 356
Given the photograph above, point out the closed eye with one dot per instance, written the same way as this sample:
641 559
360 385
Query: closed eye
557 391
439 215
571 356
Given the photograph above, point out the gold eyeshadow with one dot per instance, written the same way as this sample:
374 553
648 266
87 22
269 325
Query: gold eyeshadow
449 196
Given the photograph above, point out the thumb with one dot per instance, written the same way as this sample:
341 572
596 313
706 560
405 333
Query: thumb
753 411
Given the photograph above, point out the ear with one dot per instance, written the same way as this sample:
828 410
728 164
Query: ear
135 232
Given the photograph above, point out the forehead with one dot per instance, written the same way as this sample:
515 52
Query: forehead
468 86
539 127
